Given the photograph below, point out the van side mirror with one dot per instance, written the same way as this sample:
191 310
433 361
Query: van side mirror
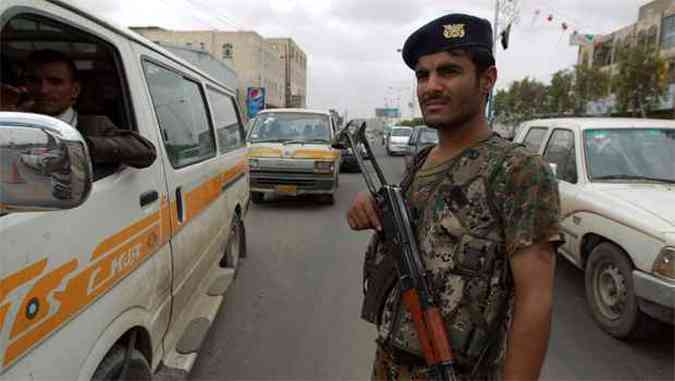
554 168
45 164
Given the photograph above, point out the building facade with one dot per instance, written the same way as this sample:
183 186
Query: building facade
257 61
655 27
295 61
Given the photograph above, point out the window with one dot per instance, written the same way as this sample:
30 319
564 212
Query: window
227 51
668 33
229 132
104 91
560 151
617 154
534 138
183 119
291 126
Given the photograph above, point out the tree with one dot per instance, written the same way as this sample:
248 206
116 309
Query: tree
560 93
523 100
412 122
642 79
590 84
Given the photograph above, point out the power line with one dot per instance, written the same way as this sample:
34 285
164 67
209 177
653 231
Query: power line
194 16
220 17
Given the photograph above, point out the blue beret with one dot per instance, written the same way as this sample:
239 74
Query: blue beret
445 33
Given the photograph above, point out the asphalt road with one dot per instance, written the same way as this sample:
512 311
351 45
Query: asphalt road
293 311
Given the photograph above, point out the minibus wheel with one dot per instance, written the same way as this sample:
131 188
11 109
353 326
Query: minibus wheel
112 366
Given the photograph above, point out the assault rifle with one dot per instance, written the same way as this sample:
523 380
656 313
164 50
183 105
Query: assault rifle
397 229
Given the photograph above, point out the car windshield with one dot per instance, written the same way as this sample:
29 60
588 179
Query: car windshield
286 127
630 154
429 137
401 132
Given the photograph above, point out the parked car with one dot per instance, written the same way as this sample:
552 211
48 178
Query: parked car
385 134
290 153
617 189
421 137
127 270
349 163
397 143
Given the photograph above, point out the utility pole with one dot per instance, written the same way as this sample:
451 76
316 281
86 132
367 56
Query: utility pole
509 11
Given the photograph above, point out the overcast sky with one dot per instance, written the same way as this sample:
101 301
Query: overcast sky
353 63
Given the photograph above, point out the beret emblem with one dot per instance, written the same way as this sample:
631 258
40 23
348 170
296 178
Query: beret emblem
453 31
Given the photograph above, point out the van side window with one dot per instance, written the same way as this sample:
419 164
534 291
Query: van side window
183 118
560 150
535 136
229 131
103 101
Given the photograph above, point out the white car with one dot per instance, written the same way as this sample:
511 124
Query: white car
617 189
398 140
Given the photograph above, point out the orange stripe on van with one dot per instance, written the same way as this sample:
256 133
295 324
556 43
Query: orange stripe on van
264 152
81 290
124 235
38 298
22 276
198 199
111 261
15 281
314 154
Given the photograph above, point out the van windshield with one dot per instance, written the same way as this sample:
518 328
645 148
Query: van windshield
287 127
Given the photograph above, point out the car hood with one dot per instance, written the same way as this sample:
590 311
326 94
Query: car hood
646 200
291 151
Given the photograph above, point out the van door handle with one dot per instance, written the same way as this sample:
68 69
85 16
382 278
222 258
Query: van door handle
149 197
179 205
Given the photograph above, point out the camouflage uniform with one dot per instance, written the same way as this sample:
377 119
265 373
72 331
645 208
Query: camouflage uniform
473 212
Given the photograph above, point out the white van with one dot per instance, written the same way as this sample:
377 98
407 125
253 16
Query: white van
127 271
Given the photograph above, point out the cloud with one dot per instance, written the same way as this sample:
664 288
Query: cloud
351 44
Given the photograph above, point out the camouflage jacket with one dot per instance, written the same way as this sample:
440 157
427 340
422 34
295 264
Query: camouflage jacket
493 199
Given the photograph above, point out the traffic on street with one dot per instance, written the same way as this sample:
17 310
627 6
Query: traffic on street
313 333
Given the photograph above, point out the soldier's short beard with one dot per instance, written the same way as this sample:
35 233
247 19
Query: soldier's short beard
470 107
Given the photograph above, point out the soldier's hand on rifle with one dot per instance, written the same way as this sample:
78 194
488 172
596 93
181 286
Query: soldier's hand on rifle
363 213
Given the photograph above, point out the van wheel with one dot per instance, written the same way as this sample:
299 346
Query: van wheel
111 367
257 197
611 295
236 246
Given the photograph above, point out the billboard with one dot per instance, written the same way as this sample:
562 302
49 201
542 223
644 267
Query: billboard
255 100
387 113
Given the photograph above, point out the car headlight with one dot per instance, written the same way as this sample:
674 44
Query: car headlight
664 265
324 166
253 163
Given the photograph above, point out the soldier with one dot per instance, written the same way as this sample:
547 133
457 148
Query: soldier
486 216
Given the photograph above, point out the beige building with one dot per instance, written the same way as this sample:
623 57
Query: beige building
257 62
655 27
296 71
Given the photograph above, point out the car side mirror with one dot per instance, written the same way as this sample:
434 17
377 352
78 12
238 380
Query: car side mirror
554 168
45 164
